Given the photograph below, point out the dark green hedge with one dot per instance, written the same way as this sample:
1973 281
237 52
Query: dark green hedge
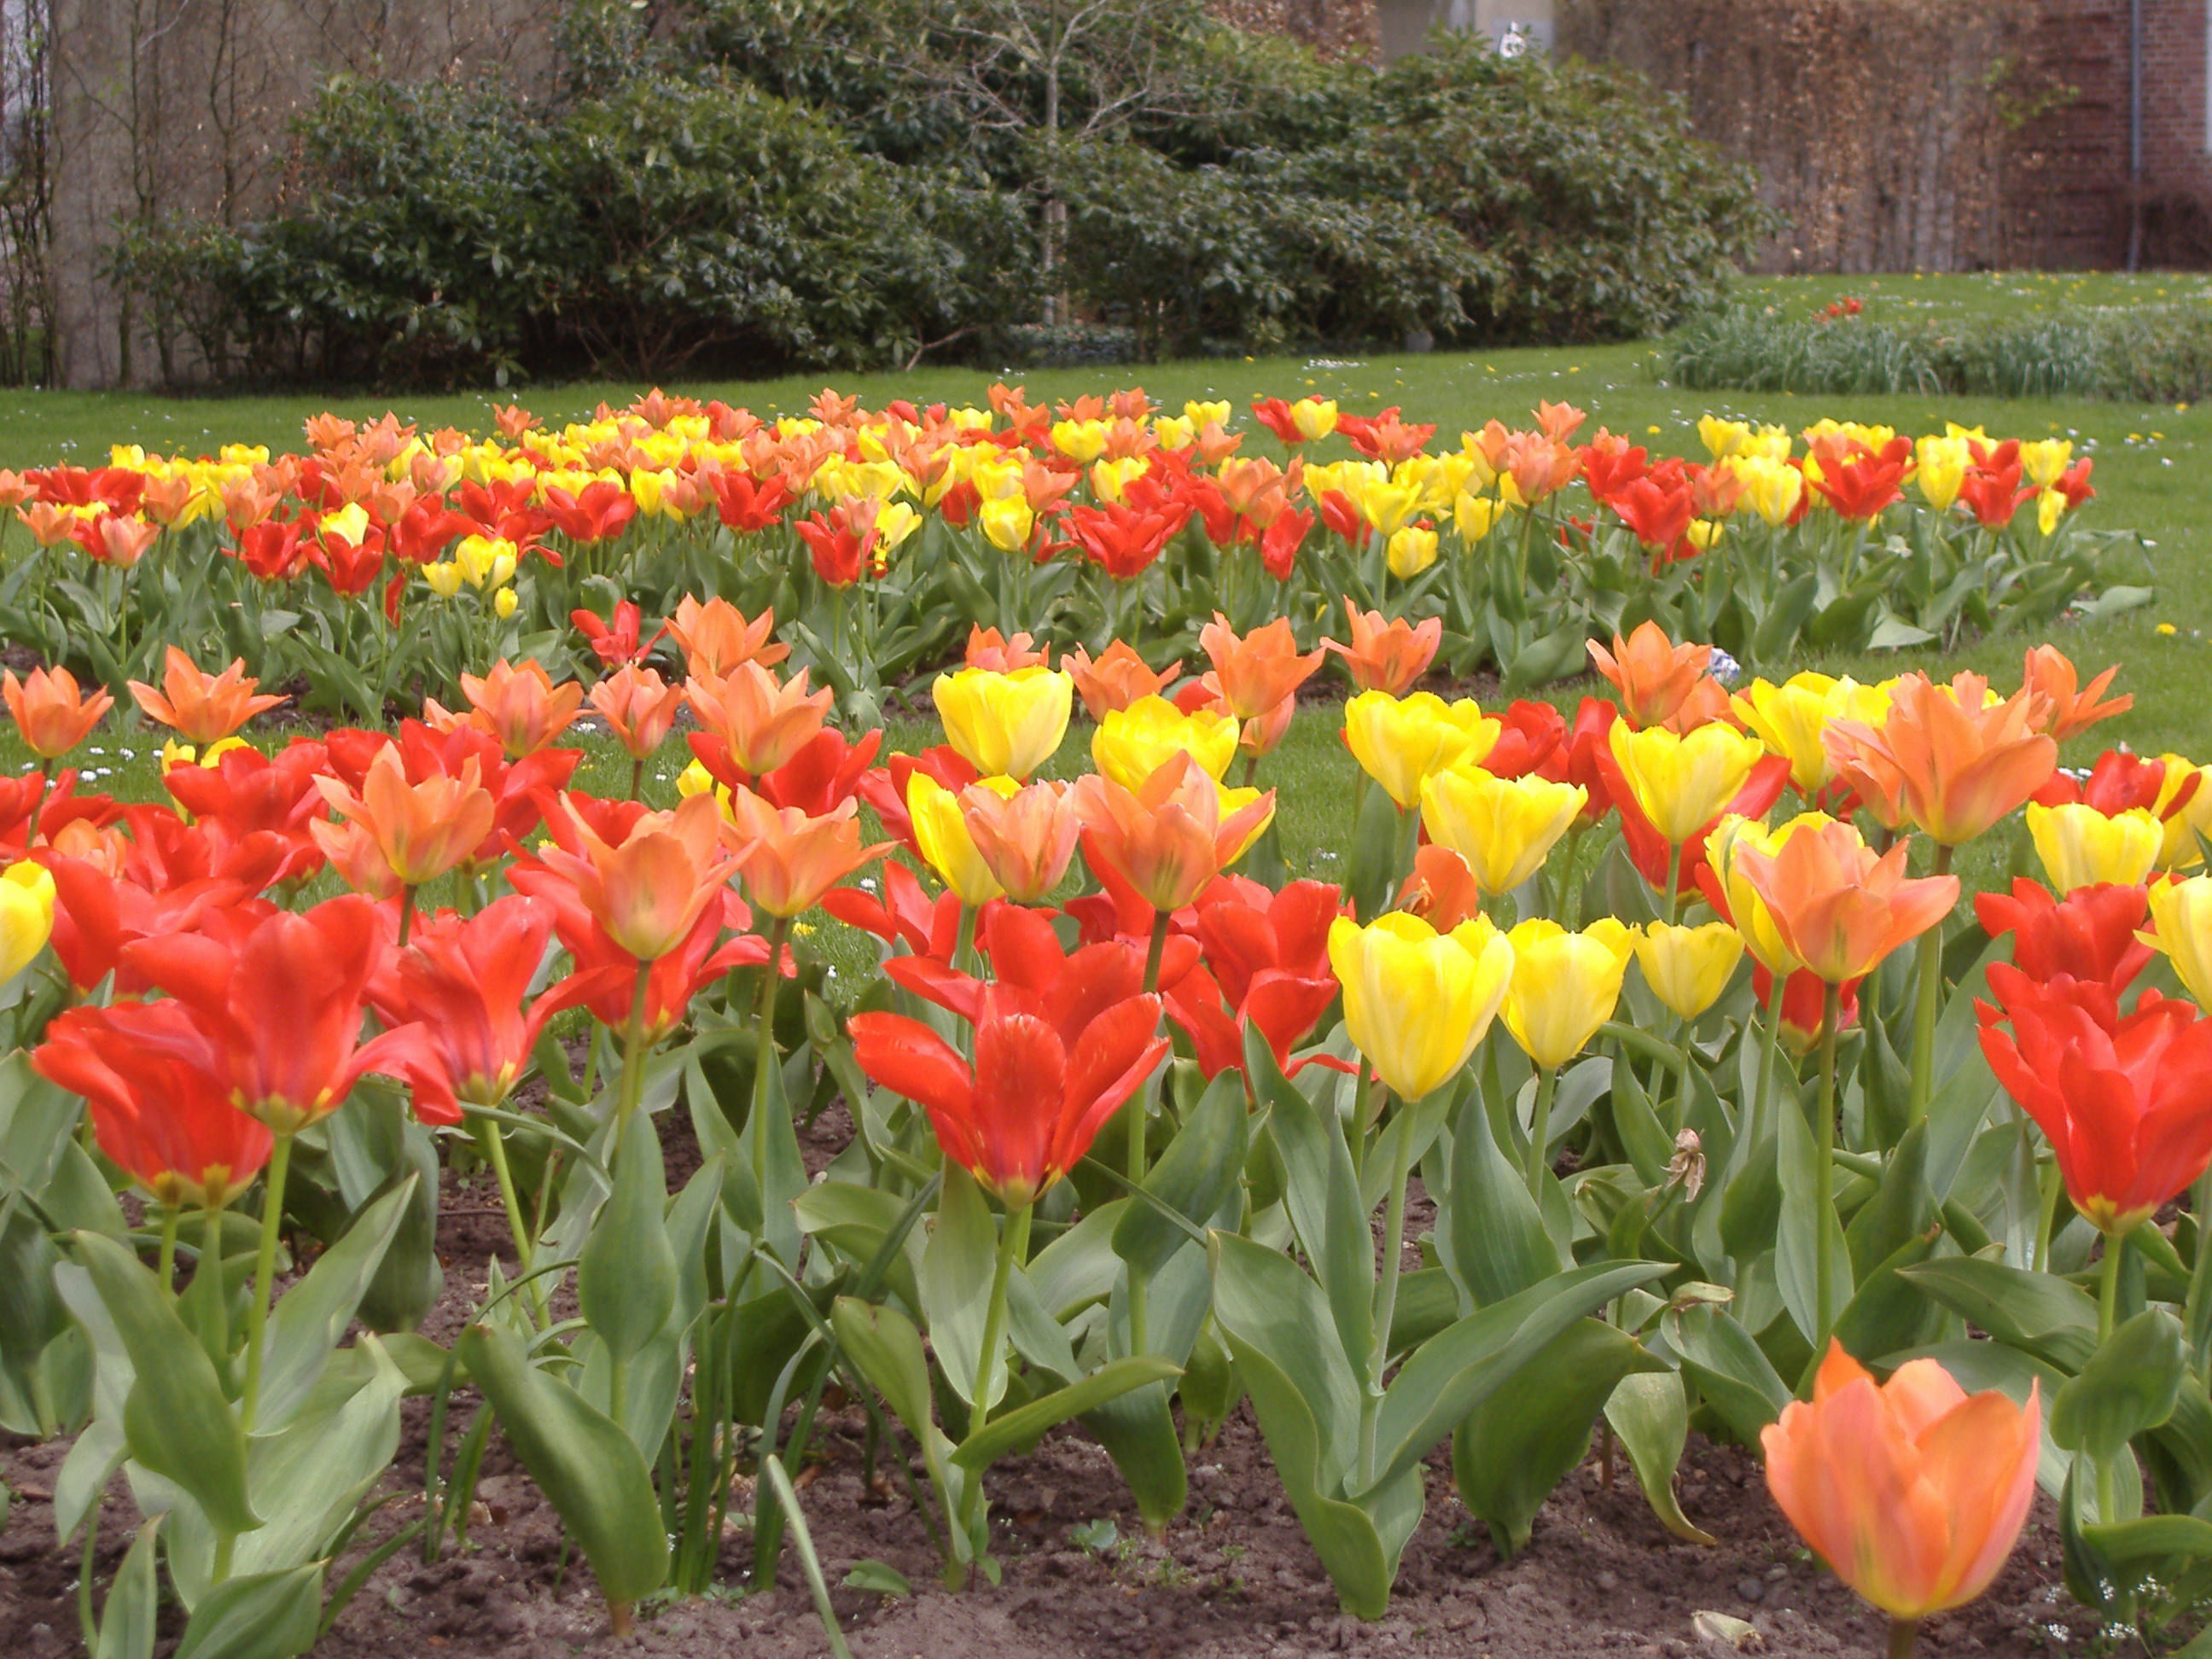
842 183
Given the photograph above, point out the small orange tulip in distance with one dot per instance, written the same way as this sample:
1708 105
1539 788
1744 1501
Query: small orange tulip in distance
1654 676
1388 654
1913 1491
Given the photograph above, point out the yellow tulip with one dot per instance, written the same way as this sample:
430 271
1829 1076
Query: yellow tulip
1203 415
26 916
1132 743
895 522
1412 550
1314 417
1503 826
483 559
1771 485
1564 985
1416 1002
2044 459
940 830
1683 782
1941 470
1005 725
1789 718
1173 432
1080 441
2050 507
1473 516
443 577
1109 479
2181 916
504 603
349 525
1006 522
1722 438
2182 825
1399 741
1387 505
2080 847
1689 968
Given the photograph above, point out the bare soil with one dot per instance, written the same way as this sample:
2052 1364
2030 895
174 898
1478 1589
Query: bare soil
1233 1578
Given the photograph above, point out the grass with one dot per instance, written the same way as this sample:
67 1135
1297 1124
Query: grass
2150 477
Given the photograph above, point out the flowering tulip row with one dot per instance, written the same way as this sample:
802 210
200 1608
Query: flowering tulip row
382 559
1672 1006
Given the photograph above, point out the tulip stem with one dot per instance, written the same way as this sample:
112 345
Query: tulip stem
406 912
264 1272
1902 1634
494 1151
765 1064
1674 880
1832 1013
1137 1107
1156 951
1386 1303
166 1264
1931 1005
1540 1128
633 1072
2053 1182
2108 1301
1013 1241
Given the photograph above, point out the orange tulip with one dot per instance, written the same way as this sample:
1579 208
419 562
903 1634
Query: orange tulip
765 721
989 648
1838 906
1024 839
1387 654
1952 762
422 830
638 706
1913 1492
1174 833
789 858
717 637
1258 671
647 890
521 706
53 715
1654 676
1116 679
202 708
2061 709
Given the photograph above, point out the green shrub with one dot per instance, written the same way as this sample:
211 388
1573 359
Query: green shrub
2159 354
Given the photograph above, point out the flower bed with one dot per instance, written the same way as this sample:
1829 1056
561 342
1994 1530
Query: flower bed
1661 1035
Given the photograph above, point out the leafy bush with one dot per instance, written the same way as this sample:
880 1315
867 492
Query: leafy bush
769 183
2160 354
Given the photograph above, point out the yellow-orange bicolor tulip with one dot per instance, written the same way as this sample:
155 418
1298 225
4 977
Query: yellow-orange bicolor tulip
1948 757
1564 985
1172 834
1399 741
1416 1002
764 720
940 832
716 636
647 889
789 858
1839 906
202 708
1654 676
1684 782
1790 719
422 831
2081 847
50 713
1025 836
2181 927
1503 826
1688 968
1913 1492
1005 725
520 705
1132 743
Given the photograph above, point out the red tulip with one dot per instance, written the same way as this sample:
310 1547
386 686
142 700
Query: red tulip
2090 934
461 984
1028 1109
159 1090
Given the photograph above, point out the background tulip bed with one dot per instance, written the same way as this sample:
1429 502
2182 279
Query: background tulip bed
1727 1101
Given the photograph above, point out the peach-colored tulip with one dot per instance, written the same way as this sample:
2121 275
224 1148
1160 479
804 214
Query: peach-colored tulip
520 705
1838 906
1258 671
1912 1491
2062 709
1387 654
788 857
53 715
638 706
422 829
1653 674
200 706
1173 834
1953 761
716 637
765 721
1114 679
1025 839
647 890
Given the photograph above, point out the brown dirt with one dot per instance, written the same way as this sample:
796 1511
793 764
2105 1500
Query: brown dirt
1233 1579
